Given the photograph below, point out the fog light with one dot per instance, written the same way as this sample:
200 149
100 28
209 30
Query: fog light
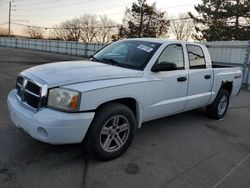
42 132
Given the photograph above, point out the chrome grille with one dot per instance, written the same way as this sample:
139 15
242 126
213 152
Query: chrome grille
29 93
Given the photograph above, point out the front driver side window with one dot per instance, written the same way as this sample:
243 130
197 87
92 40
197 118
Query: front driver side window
173 53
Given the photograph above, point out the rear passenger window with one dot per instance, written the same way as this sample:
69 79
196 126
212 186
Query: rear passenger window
196 57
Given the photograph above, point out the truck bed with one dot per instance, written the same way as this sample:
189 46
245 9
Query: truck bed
227 74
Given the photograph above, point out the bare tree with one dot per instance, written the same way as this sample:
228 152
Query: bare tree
182 27
34 32
106 30
89 26
69 30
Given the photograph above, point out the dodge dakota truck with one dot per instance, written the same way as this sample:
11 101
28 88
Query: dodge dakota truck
104 100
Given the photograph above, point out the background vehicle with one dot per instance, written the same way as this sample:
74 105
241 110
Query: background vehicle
104 100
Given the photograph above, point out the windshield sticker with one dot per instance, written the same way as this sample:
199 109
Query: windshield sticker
145 48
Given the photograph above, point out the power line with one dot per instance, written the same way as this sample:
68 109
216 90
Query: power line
56 15
74 4
175 19
56 18
178 6
62 6
3 9
35 4
101 9
112 26
59 15
4 23
42 27
3 18
41 3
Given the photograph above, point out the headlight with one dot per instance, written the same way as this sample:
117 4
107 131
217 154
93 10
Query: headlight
64 99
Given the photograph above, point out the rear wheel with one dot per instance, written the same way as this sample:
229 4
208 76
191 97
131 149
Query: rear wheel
218 108
111 131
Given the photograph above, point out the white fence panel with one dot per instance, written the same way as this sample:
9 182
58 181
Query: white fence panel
62 47
233 52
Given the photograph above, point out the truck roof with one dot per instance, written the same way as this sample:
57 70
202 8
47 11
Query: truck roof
161 40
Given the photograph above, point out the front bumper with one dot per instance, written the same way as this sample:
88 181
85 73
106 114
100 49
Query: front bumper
48 125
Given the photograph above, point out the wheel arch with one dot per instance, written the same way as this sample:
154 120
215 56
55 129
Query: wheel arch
227 85
131 103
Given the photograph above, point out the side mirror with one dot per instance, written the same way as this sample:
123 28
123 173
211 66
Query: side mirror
164 66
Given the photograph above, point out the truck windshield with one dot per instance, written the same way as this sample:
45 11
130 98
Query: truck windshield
133 54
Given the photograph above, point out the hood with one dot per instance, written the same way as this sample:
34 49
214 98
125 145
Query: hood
64 73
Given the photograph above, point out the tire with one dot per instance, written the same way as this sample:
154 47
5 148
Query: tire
218 108
111 132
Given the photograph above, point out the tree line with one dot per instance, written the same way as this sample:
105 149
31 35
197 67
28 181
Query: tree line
213 20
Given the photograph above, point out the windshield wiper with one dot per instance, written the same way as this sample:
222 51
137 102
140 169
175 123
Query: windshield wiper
93 58
112 61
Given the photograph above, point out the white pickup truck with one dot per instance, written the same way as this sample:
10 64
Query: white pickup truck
103 100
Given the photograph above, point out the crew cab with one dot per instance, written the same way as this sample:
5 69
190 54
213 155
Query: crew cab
104 100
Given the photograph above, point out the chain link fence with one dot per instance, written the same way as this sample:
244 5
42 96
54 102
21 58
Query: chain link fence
53 46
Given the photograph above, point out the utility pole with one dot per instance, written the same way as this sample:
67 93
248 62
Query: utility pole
9 17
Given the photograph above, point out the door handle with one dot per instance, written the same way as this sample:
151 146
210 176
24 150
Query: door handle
207 76
181 79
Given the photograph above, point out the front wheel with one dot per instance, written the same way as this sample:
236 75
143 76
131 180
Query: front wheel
111 131
218 108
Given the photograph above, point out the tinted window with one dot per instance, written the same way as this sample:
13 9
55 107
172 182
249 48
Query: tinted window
173 54
127 53
196 57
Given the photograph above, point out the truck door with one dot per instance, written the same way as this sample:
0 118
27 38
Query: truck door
168 94
200 78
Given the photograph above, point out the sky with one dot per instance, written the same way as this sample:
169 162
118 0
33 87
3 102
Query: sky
47 13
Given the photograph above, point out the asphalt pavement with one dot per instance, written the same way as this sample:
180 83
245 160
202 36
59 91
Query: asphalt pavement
187 150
